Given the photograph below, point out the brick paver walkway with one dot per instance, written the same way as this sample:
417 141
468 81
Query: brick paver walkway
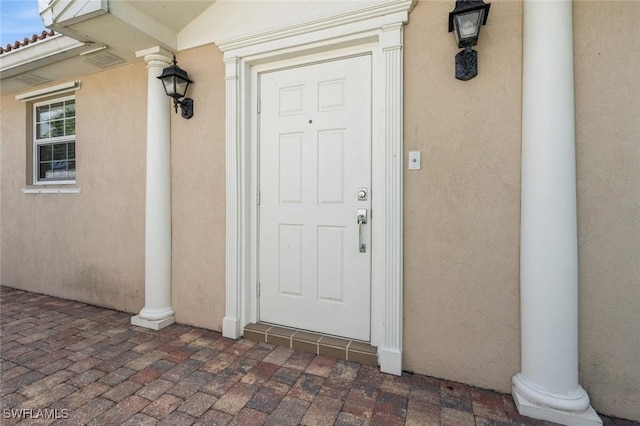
86 365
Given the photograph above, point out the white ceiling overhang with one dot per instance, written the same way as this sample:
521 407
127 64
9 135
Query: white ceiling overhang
95 35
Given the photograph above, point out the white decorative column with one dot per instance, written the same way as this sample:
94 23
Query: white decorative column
390 346
231 323
157 312
547 386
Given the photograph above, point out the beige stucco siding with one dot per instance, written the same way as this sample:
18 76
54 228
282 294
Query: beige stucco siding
198 194
90 246
606 37
462 209
87 246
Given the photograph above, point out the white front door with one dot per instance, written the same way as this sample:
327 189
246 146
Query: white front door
315 161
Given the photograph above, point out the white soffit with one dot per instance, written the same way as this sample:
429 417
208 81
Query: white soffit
143 22
45 52
173 14
67 12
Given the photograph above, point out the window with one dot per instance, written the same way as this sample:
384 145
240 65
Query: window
54 148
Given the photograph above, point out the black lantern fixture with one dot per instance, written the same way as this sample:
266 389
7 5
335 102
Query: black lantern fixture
176 81
465 20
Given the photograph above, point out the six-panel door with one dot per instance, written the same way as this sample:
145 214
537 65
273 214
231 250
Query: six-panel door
315 156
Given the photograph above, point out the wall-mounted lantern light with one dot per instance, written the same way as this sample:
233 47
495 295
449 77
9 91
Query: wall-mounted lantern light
176 81
465 20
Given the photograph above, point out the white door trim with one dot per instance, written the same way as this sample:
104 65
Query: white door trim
376 30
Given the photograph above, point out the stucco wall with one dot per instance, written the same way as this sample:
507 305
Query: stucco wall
462 209
606 36
87 246
90 246
198 194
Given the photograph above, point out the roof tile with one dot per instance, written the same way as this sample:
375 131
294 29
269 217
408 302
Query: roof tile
34 39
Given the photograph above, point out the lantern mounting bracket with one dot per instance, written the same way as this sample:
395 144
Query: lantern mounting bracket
186 108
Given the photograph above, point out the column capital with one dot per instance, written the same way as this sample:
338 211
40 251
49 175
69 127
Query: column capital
391 36
231 66
156 53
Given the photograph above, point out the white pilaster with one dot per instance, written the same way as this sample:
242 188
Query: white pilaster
547 386
231 323
390 347
157 312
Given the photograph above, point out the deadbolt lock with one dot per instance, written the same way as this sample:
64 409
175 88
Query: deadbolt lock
362 194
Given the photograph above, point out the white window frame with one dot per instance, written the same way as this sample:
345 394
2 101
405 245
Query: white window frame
59 139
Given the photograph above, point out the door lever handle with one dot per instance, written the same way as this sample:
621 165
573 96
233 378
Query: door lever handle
362 220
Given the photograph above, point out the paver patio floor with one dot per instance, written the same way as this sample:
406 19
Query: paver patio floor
66 362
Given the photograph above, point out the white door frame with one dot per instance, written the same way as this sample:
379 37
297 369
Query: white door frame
377 30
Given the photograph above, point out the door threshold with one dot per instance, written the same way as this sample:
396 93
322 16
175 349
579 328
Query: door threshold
315 343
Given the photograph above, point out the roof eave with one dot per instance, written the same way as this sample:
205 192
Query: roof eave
46 52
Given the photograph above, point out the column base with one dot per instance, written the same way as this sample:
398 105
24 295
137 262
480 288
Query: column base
231 327
527 408
390 361
152 324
